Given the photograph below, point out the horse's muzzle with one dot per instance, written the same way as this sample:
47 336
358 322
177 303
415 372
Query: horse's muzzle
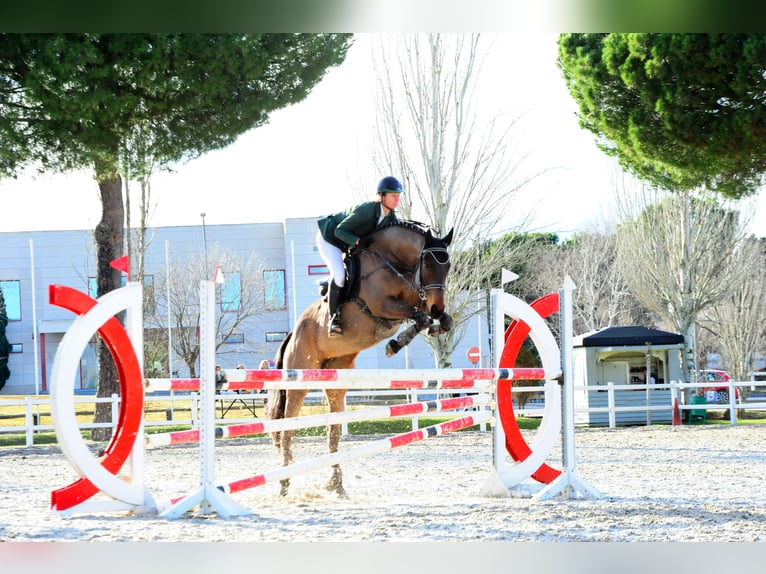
435 311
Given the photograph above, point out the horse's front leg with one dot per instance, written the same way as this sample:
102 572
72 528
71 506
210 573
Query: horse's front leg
421 322
444 325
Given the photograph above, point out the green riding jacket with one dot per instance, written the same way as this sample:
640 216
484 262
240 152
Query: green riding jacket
343 229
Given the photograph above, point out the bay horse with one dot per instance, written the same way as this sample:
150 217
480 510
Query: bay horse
401 272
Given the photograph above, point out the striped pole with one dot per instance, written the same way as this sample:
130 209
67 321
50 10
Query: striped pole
366 449
268 426
259 379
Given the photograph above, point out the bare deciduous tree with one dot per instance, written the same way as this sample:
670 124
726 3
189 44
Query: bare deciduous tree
602 297
241 298
457 173
677 253
737 321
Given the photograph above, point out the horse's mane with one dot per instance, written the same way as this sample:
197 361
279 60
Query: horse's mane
416 226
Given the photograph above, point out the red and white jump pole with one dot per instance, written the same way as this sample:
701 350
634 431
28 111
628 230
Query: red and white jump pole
260 379
177 505
322 419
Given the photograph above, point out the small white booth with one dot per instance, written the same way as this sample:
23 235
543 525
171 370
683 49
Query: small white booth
623 356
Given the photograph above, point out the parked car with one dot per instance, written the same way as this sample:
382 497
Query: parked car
720 384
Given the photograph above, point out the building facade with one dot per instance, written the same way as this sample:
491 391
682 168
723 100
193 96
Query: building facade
288 259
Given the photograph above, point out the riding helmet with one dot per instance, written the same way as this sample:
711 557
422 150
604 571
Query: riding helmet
389 184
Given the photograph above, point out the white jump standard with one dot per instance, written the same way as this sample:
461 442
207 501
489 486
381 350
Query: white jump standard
510 476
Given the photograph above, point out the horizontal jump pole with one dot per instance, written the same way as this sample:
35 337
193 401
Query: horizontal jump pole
258 379
367 449
277 425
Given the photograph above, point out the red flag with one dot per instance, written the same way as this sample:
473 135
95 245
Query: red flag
121 264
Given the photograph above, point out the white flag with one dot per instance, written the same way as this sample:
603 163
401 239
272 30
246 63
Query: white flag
218 278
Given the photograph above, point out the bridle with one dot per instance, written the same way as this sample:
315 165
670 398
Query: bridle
440 256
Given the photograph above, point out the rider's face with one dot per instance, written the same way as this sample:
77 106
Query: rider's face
390 200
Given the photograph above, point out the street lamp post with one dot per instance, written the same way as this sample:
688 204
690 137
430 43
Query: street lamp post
204 239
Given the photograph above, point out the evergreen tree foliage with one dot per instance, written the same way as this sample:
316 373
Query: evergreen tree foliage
683 111
74 101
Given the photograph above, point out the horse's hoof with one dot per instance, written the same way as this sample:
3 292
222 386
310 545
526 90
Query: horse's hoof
338 489
392 348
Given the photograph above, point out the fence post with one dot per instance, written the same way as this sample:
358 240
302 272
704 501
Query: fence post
732 403
610 402
344 424
194 410
115 411
29 418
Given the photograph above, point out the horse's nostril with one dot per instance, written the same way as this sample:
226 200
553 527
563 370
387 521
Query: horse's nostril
436 311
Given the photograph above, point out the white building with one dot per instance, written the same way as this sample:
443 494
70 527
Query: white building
31 261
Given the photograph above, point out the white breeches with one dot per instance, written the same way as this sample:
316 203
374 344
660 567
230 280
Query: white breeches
333 258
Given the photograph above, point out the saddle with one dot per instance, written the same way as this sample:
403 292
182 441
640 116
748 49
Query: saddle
351 286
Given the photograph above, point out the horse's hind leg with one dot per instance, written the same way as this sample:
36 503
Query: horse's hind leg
293 403
335 399
287 458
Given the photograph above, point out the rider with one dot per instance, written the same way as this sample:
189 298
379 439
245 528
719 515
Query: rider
340 232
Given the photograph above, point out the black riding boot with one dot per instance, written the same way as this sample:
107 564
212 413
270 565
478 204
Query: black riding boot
334 328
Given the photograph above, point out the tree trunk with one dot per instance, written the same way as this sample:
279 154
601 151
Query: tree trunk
109 245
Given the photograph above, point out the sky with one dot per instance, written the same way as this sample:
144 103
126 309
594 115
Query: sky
314 157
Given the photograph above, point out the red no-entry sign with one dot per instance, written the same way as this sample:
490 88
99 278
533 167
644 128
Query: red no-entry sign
473 354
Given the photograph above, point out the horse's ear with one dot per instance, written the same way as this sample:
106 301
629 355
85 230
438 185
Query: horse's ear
448 238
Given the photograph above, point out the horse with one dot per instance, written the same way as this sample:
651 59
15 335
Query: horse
400 275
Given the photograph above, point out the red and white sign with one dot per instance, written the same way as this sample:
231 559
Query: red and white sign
473 354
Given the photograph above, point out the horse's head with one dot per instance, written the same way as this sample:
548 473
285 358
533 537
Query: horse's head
433 267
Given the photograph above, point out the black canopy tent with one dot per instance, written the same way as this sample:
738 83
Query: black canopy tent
630 336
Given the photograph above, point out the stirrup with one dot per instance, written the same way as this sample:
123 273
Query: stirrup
335 328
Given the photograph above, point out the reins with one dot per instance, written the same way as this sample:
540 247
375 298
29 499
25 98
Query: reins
417 272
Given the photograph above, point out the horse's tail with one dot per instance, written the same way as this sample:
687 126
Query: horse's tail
275 402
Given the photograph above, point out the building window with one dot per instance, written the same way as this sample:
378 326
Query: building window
275 292
234 339
93 286
17 348
12 296
318 270
231 292
275 336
